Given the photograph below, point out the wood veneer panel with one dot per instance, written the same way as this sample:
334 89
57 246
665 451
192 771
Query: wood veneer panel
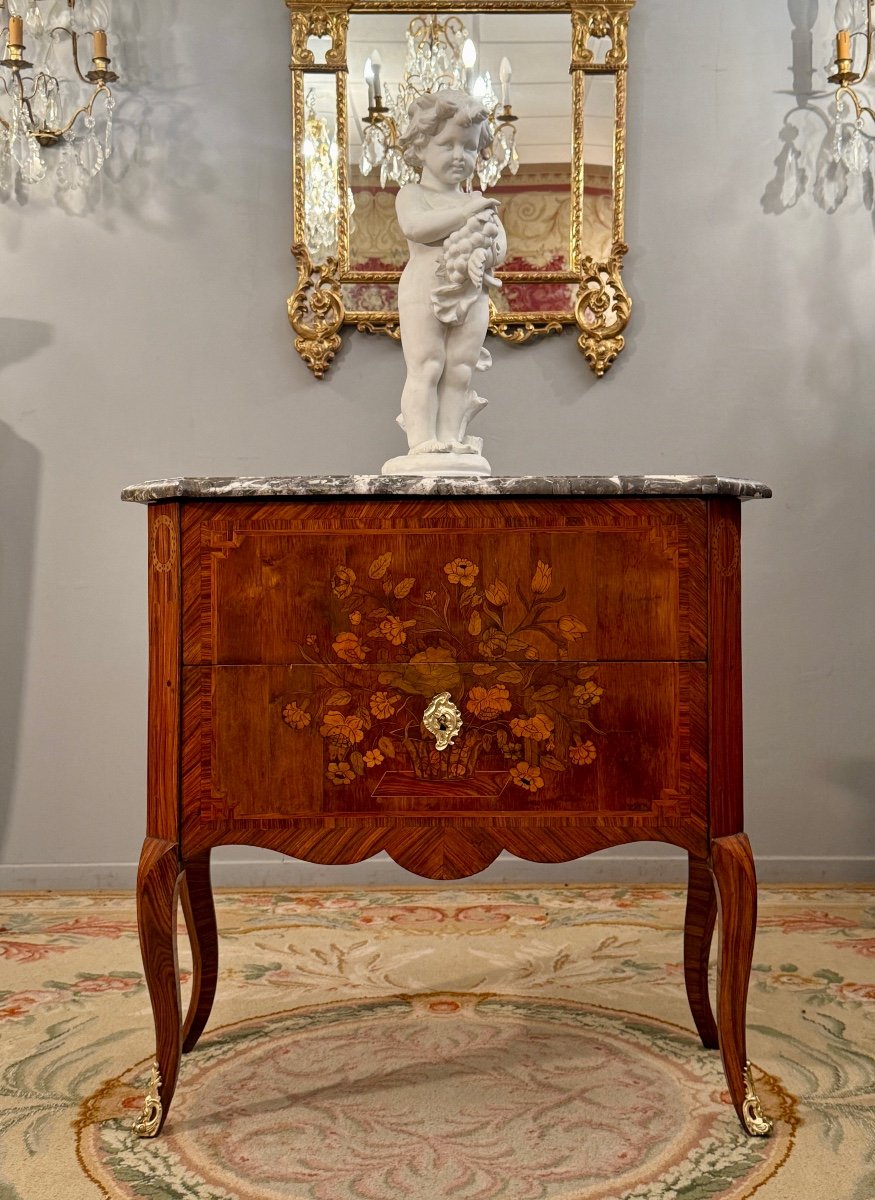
162 783
271 583
266 747
409 840
726 776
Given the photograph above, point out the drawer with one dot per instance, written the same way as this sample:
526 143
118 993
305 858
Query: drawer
615 742
361 583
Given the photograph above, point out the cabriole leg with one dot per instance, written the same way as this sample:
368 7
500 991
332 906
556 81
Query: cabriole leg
196 895
699 923
735 876
157 884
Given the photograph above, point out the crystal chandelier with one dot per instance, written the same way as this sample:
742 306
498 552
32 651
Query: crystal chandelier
35 111
851 146
440 54
321 196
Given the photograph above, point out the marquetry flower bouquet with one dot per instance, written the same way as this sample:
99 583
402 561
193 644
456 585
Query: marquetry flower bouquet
479 640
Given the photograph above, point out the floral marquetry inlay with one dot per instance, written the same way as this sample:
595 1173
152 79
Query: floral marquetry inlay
465 633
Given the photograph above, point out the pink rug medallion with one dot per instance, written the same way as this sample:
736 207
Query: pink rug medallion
442 1095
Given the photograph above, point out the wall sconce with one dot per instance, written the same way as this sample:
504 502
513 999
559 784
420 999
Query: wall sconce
36 112
850 146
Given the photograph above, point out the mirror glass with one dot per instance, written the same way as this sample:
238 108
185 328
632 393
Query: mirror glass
554 136
536 186
320 152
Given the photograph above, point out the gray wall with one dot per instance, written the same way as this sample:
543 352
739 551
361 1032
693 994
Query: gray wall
148 338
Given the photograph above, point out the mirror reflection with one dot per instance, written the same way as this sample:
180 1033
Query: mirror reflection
553 83
518 64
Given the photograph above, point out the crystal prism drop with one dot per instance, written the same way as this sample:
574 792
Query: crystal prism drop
91 154
83 17
21 147
34 169
66 169
33 21
854 152
53 106
60 15
793 179
366 162
5 164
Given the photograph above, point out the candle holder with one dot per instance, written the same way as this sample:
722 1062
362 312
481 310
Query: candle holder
845 77
378 112
14 60
844 73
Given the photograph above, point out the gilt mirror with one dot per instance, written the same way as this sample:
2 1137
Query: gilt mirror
552 74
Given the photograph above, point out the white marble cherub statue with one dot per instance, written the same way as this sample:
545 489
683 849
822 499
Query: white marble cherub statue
456 241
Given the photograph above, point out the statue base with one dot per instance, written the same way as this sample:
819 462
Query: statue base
439 463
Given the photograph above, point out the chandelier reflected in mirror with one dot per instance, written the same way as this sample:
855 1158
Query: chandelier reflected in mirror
440 55
321 189
39 104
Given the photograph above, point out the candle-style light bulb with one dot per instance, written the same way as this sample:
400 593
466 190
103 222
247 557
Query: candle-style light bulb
376 64
504 74
100 43
469 57
369 80
843 43
16 31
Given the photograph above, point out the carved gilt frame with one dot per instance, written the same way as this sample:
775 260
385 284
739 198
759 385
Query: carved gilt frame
602 308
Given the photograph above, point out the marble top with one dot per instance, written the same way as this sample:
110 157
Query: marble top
246 487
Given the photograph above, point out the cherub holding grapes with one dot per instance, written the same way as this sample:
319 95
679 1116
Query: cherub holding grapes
456 241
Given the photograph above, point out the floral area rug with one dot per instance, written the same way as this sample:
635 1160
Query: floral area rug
448 1043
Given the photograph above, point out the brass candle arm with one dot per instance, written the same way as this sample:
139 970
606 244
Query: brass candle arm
98 74
844 75
859 107
50 137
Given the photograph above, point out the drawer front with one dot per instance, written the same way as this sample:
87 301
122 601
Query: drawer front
613 742
363 583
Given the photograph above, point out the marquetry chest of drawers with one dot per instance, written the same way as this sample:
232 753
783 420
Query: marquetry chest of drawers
339 667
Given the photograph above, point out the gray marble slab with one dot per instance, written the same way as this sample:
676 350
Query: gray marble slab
247 487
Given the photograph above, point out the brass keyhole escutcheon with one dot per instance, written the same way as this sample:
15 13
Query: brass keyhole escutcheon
442 719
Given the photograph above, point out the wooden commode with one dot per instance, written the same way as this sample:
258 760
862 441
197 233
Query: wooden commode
442 670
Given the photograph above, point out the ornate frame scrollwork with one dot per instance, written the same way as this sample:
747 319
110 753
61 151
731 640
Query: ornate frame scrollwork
602 307
316 310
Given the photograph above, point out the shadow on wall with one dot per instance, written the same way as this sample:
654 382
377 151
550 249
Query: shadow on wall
857 775
154 173
19 491
806 163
